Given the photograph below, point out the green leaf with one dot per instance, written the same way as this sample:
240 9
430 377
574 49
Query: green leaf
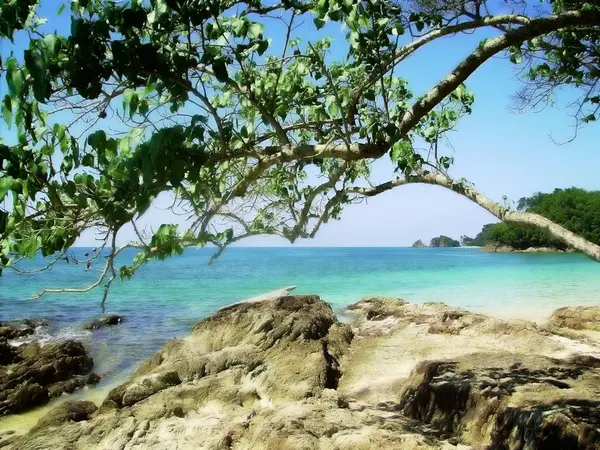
7 110
220 69
319 23
263 46
6 184
61 9
97 140
589 118
14 78
50 43
88 160
177 172
400 150
256 30
29 247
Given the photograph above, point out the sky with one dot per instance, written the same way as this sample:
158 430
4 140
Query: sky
501 152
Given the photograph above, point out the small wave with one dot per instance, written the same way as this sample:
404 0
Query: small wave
44 336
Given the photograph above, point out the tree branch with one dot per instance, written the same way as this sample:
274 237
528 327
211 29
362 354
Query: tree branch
485 51
568 237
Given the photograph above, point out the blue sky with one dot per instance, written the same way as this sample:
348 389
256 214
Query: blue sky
502 153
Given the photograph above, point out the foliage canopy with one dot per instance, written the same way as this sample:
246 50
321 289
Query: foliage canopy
250 128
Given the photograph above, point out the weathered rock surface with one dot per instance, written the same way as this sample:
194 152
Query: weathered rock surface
508 401
66 412
487 382
577 318
30 375
285 374
101 322
19 329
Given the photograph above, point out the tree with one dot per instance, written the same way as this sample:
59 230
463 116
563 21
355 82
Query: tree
575 209
444 241
517 236
249 136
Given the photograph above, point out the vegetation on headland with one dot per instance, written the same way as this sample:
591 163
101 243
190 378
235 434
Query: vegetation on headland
575 209
444 241
138 99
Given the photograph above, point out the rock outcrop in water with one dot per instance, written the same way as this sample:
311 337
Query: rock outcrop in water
101 322
418 244
20 329
285 374
31 375
496 248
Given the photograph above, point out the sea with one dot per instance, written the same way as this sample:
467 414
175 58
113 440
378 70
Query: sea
165 299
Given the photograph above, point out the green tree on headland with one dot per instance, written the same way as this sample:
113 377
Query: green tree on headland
193 98
575 209
444 241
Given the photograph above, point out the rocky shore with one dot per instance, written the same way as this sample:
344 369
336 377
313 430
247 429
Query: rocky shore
286 374
508 249
31 375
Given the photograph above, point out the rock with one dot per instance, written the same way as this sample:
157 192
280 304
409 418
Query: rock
377 308
103 321
497 248
507 401
399 335
69 386
68 411
577 318
444 241
40 373
542 250
30 350
494 248
418 244
285 374
8 353
113 319
21 328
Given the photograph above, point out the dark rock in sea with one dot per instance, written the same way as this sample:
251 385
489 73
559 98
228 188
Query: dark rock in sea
101 322
37 374
418 244
21 328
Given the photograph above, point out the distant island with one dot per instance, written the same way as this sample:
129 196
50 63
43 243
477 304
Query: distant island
440 241
443 241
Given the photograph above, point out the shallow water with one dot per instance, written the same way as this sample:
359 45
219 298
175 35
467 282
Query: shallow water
165 299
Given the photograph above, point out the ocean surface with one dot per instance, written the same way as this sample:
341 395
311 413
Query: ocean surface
166 298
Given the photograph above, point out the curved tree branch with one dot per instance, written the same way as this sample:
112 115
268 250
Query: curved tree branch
568 237
486 50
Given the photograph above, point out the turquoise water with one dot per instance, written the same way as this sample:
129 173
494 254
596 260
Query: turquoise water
165 299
